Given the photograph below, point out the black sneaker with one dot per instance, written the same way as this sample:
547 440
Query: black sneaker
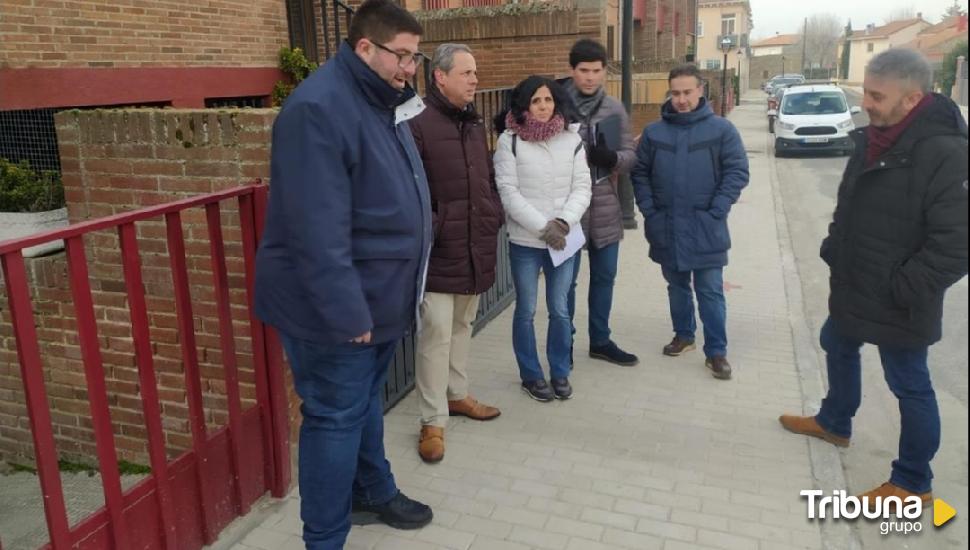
400 513
562 388
538 390
612 353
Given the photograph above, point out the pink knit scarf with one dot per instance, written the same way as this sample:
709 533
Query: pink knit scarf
535 130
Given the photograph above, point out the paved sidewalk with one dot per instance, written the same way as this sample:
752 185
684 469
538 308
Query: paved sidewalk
659 456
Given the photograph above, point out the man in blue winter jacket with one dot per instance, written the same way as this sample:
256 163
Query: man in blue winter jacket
691 168
340 269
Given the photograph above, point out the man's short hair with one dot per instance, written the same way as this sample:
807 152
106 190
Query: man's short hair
380 21
686 69
586 50
444 56
904 65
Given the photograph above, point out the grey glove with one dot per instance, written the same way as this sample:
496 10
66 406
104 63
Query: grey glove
554 234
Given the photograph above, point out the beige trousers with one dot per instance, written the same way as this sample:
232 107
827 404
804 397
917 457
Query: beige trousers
442 353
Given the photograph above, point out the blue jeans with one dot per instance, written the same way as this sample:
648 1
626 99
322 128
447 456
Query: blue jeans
709 286
602 275
526 263
342 435
908 376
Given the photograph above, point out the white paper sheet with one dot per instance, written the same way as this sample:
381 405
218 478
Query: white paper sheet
575 240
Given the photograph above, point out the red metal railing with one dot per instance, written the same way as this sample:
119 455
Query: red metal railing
185 502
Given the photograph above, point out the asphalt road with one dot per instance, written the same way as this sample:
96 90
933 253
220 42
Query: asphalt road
808 187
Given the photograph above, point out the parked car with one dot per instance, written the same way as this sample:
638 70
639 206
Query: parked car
814 117
783 80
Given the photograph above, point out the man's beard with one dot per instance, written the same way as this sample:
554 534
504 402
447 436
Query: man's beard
895 114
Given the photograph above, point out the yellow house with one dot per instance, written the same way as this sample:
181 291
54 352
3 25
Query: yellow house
865 44
724 18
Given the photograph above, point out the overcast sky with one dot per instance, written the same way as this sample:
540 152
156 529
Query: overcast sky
786 16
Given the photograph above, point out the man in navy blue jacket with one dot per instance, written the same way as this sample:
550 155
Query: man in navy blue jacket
691 168
341 266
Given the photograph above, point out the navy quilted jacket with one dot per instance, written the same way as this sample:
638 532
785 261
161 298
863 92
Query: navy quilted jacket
690 170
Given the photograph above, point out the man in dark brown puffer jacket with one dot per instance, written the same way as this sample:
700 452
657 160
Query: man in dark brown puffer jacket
450 136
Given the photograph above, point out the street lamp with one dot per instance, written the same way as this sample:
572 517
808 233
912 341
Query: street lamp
726 44
737 96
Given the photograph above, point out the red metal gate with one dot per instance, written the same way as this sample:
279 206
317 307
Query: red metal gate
187 501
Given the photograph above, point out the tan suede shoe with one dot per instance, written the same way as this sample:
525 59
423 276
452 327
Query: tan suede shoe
886 490
807 425
431 445
472 409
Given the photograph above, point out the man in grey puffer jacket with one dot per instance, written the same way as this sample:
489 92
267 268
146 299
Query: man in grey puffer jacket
603 222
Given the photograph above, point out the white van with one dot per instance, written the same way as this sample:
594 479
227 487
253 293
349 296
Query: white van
814 117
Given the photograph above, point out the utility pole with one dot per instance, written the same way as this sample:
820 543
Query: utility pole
804 42
627 208
626 46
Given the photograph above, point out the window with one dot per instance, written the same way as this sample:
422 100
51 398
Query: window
302 26
252 102
712 64
869 47
814 103
727 23
700 29
677 23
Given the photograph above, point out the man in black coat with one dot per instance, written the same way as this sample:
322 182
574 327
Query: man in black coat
897 241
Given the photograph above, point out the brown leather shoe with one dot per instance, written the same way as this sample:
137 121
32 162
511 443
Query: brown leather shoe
678 346
886 490
471 408
431 445
719 366
807 425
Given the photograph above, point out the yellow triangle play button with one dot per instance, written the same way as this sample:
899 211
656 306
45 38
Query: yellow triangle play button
942 512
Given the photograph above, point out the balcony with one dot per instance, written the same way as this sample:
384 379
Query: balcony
735 40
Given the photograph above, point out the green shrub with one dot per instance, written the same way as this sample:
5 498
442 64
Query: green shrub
295 64
23 189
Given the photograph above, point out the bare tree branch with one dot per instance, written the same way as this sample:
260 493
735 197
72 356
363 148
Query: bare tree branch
821 35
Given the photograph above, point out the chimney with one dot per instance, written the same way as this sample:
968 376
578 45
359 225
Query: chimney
870 27
919 15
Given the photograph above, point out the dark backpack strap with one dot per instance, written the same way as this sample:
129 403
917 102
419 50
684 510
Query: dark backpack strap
578 148
515 138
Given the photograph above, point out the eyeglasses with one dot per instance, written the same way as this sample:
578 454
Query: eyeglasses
404 60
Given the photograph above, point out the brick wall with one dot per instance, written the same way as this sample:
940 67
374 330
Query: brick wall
116 161
661 39
107 33
763 67
509 48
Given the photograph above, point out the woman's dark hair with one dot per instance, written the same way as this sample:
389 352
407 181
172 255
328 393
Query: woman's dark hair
521 98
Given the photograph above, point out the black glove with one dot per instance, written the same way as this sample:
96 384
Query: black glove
602 156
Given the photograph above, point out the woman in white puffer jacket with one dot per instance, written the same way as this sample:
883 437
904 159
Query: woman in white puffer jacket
544 182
